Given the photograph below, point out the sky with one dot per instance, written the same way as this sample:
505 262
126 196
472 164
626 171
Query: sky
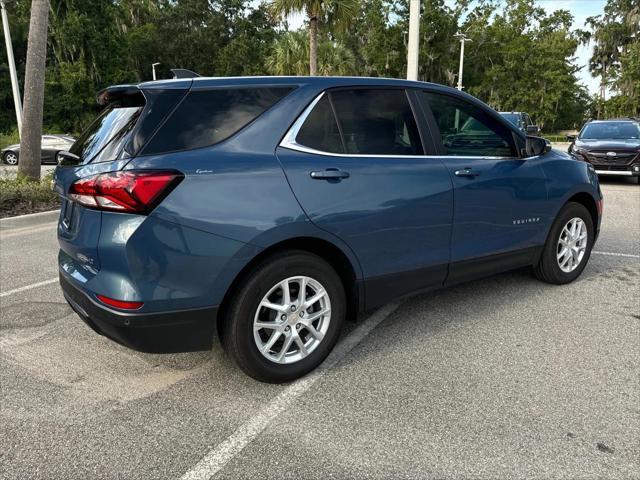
580 9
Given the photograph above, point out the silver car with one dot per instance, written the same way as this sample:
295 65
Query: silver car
51 145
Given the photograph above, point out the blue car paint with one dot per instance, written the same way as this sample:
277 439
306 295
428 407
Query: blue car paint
247 194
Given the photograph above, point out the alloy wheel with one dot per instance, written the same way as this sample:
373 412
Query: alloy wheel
11 158
572 245
292 319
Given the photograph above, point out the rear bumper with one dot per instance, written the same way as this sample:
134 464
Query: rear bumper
165 332
619 173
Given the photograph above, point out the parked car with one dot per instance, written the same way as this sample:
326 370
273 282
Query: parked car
276 208
523 122
611 146
51 145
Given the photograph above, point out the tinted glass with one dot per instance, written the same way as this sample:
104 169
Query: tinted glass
320 130
206 117
377 122
611 131
467 129
511 117
104 139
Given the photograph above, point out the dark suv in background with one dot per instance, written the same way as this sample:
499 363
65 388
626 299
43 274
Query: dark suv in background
522 121
611 146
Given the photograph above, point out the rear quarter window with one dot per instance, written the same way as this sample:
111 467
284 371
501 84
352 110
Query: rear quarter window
206 117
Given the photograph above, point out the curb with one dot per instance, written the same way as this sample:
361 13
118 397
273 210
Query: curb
29 220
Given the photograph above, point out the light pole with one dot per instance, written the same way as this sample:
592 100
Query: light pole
15 88
414 40
463 38
153 67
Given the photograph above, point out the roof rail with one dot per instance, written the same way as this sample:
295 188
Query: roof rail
183 73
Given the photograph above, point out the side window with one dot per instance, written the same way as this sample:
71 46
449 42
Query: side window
377 122
206 117
467 129
527 120
362 121
320 129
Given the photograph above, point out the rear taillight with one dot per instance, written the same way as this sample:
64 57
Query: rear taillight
124 191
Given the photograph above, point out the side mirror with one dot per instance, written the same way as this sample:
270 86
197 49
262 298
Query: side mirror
532 129
571 138
67 159
536 146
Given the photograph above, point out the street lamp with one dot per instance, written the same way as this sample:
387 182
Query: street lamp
414 38
153 67
463 38
15 88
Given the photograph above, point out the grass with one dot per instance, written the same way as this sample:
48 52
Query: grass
556 138
9 138
19 196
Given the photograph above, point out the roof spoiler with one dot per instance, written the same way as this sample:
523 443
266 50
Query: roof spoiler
183 73
125 95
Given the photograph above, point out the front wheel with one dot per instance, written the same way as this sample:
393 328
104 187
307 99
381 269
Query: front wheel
10 158
285 318
568 247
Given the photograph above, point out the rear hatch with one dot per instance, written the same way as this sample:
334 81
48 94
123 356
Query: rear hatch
126 122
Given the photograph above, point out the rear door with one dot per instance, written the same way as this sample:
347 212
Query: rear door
357 165
500 213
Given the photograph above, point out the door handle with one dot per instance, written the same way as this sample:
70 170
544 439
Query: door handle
329 174
467 172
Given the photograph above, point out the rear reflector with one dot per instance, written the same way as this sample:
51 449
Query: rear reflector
119 303
125 191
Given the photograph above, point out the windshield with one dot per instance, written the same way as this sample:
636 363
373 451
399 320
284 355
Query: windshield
610 131
511 117
104 139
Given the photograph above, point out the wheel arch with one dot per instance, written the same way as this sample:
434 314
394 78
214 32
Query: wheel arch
586 199
326 250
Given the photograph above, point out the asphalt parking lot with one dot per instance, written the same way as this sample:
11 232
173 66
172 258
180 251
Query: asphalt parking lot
504 377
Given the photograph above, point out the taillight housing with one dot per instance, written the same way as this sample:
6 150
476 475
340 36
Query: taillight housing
127 191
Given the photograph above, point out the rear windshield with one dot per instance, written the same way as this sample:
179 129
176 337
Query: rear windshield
206 117
611 131
106 136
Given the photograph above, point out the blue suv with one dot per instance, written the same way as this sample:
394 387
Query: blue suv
269 210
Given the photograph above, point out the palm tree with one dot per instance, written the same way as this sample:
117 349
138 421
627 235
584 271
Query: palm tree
336 13
30 145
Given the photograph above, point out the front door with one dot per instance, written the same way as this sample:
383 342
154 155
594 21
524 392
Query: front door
499 198
356 163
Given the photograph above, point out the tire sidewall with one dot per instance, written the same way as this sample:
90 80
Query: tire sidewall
241 327
570 211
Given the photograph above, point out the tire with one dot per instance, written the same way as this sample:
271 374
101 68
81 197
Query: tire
549 267
10 158
243 341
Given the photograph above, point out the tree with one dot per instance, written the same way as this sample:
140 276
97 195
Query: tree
30 146
334 13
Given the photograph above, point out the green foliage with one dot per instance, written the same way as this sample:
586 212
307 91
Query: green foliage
20 195
9 138
520 58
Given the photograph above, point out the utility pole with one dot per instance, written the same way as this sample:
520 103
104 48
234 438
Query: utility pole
15 88
463 38
414 40
153 67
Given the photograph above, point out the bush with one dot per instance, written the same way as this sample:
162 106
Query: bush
9 138
19 196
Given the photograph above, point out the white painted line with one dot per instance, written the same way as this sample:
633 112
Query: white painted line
26 230
217 458
28 287
613 254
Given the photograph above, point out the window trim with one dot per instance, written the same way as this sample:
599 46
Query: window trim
289 140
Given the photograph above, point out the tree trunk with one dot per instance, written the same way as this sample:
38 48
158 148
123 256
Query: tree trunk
30 146
313 44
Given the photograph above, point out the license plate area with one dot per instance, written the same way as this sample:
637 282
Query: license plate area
68 214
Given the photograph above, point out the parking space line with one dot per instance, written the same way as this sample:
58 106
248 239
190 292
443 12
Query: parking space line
614 254
28 287
217 458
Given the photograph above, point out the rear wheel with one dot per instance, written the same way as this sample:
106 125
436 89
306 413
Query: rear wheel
10 158
568 246
285 318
